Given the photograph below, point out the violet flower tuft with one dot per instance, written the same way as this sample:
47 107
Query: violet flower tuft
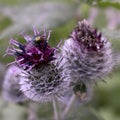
35 52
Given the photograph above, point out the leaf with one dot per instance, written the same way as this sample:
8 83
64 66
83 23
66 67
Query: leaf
90 2
103 4
106 4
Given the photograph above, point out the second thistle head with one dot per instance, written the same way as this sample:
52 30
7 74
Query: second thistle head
87 55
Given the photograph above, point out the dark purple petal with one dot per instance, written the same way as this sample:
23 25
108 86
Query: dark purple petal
26 37
34 53
36 32
89 39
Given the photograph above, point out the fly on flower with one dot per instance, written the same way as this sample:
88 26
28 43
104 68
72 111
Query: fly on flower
33 53
39 38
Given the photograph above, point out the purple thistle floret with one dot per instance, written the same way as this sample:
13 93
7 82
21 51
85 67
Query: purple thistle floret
34 53
89 39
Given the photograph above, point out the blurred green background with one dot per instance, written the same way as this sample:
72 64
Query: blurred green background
60 16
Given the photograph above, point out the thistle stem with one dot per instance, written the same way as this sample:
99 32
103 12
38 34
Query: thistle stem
32 111
56 109
69 106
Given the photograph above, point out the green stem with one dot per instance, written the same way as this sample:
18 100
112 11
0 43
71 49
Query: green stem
56 109
68 107
32 111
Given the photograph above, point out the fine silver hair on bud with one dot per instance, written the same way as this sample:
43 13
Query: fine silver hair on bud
87 55
11 89
44 83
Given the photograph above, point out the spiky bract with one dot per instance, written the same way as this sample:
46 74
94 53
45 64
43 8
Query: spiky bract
44 83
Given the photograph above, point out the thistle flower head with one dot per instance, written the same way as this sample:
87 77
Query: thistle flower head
11 89
35 52
40 79
87 55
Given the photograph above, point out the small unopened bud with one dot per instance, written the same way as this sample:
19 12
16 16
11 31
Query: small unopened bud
11 89
83 91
